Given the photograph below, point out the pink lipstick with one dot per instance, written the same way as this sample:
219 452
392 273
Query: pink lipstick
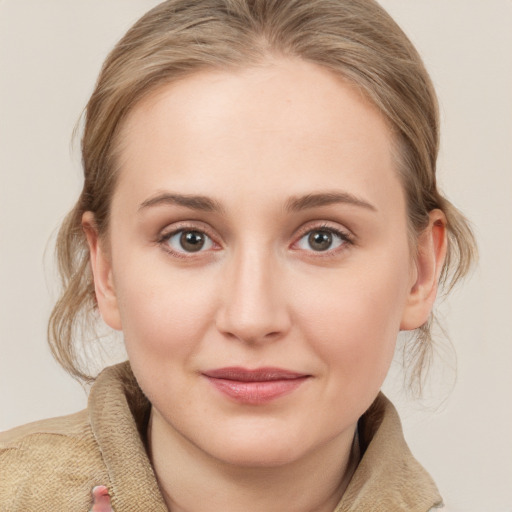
257 386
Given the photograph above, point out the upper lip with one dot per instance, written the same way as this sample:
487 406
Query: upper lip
255 375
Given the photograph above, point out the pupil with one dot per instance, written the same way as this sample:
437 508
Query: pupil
320 240
192 241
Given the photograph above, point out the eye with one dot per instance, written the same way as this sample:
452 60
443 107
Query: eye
187 241
322 240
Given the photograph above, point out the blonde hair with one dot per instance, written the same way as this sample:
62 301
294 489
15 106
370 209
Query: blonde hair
355 39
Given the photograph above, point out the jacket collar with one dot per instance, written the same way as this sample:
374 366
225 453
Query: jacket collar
387 477
118 413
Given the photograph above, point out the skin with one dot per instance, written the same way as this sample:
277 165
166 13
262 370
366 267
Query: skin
101 499
259 294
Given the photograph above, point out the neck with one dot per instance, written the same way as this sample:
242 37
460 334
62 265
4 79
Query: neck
193 481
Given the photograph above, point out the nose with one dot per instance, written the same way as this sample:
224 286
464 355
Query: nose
253 306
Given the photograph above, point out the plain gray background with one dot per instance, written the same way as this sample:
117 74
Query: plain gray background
50 54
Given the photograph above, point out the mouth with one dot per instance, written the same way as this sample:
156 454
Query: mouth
253 387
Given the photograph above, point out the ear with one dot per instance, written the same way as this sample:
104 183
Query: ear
102 272
431 253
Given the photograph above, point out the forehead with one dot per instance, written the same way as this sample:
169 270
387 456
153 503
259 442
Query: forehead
287 124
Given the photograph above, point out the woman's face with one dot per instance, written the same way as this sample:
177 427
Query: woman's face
258 263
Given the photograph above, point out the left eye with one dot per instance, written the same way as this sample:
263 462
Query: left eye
189 241
321 240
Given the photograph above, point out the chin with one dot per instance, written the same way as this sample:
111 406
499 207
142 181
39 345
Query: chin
257 449
258 456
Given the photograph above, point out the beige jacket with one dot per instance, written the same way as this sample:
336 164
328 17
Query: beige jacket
52 465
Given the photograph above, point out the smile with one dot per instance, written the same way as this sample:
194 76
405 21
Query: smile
257 386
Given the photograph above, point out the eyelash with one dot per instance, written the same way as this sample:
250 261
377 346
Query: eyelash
345 237
165 236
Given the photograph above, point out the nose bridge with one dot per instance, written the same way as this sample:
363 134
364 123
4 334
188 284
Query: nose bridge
253 306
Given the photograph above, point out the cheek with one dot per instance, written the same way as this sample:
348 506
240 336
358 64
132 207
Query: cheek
353 319
164 328
164 314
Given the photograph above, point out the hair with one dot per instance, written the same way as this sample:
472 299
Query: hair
355 39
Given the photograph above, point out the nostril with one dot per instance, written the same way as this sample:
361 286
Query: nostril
252 335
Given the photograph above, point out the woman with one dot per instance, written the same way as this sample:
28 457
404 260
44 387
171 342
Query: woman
260 219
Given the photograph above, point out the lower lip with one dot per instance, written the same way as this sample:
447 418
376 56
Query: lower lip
256 392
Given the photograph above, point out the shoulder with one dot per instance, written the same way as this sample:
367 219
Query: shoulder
43 462
73 425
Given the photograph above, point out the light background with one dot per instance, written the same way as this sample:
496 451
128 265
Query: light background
50 54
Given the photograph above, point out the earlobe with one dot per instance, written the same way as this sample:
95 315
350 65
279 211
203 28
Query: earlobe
101 268
431 254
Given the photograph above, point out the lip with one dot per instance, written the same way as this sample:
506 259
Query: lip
255 386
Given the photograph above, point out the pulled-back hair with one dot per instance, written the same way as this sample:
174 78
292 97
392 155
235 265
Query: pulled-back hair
355 39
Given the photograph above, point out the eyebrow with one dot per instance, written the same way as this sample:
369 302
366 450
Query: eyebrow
294 204
194 202
325 199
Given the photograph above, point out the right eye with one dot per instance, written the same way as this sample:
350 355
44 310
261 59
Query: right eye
188 241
